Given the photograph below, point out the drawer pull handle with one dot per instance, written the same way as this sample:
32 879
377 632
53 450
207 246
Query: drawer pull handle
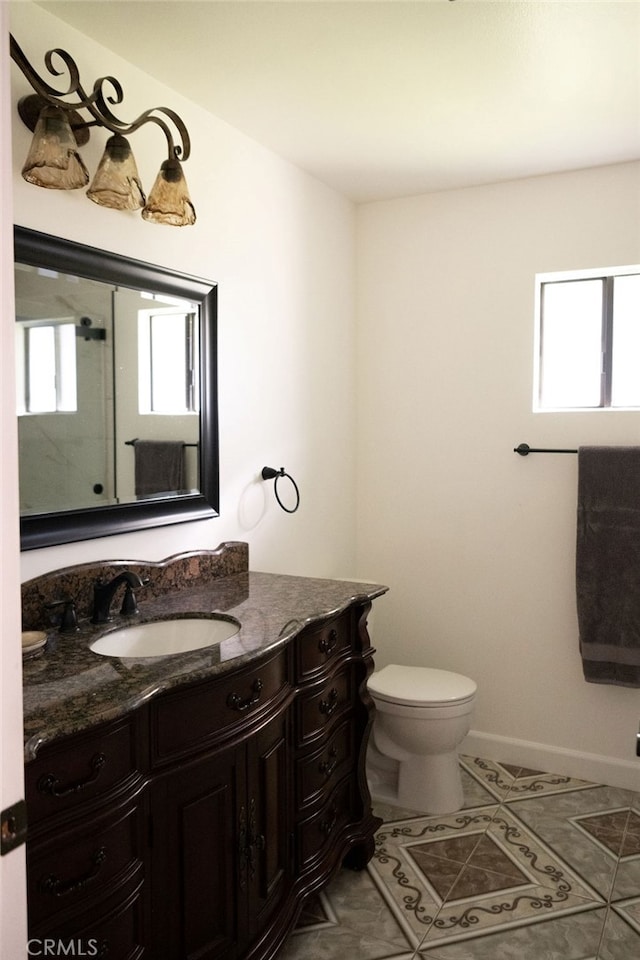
327 825
51 784
326 767
327 644
60 888
235 701
328 706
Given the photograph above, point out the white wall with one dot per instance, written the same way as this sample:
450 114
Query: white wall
281 247
476 542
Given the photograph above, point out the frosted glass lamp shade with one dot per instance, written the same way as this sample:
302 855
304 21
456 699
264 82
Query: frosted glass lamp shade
169 200
116 183
53 160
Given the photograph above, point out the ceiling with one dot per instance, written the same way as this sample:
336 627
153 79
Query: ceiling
383 98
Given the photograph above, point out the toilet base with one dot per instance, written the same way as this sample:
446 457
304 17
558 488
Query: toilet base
431 784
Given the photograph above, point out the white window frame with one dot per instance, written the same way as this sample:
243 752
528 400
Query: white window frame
607 276
64 368
191 372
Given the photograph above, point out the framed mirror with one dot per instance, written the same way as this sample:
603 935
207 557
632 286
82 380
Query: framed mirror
116 393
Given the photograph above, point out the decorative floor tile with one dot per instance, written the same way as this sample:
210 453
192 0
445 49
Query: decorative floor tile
627 880
450 878
356 903
629 910
620 940
535 866
507 781
574 937
388 812
316 914
462 867
584 828
476 792
631 843
339 943
347 920
616 831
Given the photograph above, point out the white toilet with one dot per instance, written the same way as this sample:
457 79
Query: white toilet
422 716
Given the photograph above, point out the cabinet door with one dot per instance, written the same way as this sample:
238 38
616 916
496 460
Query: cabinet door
194 858
266 872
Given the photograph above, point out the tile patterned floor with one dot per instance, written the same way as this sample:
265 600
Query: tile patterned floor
534 867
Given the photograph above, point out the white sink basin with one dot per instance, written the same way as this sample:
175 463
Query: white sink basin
163 637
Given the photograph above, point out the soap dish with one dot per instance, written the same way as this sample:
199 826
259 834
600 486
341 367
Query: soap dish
33 643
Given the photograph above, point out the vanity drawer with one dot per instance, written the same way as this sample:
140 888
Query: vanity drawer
321 770
317 647
60 779
119 932
317 710
319 831
189 720
79 867
115 930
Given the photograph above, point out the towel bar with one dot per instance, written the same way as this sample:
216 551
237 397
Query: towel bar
132 443
524 450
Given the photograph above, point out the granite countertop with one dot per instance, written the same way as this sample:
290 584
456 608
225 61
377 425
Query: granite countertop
69 688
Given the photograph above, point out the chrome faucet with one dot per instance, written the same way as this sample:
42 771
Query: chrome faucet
104 592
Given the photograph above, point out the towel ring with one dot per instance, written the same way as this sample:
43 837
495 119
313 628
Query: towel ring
270 473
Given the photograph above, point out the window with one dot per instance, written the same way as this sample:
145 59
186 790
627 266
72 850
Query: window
168 361
588 340
47 380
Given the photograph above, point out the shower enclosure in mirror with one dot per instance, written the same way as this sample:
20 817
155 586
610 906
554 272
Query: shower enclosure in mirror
116 392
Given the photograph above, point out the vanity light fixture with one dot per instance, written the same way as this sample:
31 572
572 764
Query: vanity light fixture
59 129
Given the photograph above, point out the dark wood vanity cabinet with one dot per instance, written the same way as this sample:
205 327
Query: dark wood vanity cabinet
86 846
196 826
219 860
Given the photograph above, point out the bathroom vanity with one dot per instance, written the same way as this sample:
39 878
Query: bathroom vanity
185 806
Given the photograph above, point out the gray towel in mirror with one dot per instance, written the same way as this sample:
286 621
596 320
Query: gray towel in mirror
159 467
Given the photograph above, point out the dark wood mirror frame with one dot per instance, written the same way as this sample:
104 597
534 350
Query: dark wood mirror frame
49 529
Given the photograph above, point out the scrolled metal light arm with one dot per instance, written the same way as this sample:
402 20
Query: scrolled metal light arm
98 103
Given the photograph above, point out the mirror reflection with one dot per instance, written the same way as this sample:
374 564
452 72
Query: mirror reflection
107 392
116 393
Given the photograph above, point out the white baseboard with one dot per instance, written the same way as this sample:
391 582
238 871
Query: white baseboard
593 767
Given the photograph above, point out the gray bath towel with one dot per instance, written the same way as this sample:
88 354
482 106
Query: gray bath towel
159 467
608 564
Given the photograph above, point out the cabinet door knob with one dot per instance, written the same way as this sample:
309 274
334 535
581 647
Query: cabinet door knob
235 701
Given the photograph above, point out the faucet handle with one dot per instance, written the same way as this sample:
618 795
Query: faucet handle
69 619
129 603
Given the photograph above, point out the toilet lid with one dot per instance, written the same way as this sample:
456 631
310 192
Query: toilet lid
417 686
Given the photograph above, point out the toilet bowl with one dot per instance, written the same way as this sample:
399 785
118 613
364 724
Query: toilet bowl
422 716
